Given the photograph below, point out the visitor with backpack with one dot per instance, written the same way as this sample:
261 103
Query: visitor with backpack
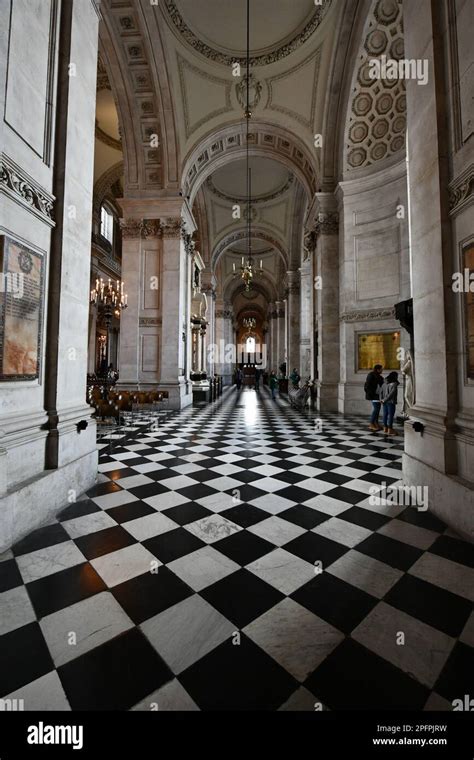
388 397
372 385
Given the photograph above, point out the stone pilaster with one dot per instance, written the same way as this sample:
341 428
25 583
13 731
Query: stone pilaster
293 319
326 287
306 319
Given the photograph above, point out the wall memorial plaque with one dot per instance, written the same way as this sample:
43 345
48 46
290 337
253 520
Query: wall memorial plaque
378 348
21 310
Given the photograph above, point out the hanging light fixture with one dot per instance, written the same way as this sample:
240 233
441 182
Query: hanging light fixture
250 323
247 269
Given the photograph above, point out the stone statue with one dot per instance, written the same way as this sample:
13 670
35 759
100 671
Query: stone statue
408 369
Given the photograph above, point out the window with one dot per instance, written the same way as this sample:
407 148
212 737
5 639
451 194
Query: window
107 225
250 345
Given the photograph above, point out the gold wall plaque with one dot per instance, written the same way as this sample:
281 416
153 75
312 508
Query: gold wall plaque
21 310
378 348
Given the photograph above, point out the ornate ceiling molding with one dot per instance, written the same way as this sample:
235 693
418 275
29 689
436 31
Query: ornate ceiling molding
229 143
376 121
262 59
265 198
185 66
272 105
18 185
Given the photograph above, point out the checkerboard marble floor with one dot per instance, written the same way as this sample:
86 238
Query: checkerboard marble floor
234 556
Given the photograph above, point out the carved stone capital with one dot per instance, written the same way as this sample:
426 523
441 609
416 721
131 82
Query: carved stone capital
151 228
131 228
327 223
172 227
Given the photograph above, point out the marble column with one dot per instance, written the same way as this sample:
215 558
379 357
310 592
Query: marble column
430 458
280 354
293 320
306 319
326 284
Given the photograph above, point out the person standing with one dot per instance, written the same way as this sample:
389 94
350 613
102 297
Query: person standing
257 379
388 397
372 385
238 378
295 378
273 384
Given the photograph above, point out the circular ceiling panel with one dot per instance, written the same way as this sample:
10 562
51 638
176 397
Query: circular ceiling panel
277 27
269 178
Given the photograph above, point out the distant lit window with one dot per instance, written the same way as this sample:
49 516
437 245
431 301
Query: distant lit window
250 345
107 225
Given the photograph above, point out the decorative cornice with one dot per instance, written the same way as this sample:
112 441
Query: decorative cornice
257 60
461 191
23 189
149 321
368 315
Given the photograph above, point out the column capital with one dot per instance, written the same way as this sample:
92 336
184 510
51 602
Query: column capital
171 226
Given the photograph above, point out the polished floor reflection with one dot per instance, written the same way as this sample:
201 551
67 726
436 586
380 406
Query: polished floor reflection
235 557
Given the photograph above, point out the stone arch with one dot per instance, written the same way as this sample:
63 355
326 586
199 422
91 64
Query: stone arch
132 62
229 144
237 235
103 186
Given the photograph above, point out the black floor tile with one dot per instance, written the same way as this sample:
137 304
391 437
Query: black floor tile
454 549
131 511
423 519
245 515
364 517
238 677
314 548
116 675
241 597
54 592
439 608
151 593
354 678
104 542
243 547
187 513
24 657
388 550
173 544
10 576
337 602
457 677
79 509
303 516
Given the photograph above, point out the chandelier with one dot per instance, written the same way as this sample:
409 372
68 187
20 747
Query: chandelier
250 323
247 270
110 296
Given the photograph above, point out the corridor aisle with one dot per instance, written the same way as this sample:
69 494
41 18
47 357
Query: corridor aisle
236 558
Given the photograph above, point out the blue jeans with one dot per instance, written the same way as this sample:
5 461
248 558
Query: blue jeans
273 393
374 417
388 413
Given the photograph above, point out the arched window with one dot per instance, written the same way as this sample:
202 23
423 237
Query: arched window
107 224
250 345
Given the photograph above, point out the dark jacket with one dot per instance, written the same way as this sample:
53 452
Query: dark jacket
372 386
